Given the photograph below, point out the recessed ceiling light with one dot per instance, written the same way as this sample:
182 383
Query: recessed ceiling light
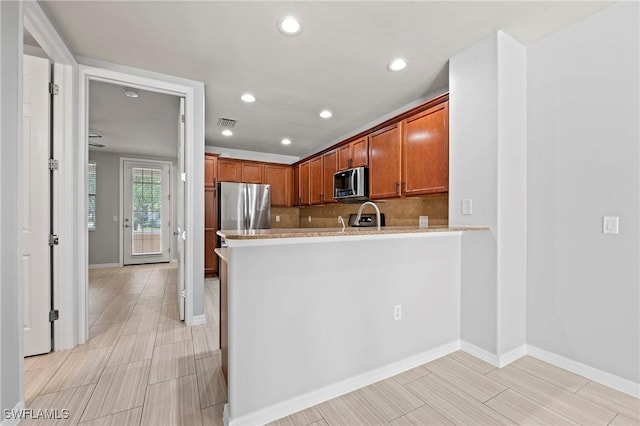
227 132
397 65
289 25
130 93
286 141
325 113
248 97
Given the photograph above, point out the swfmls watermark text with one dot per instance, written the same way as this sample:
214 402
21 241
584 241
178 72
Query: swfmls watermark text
35 414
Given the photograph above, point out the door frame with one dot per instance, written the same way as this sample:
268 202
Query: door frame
193 92
121 199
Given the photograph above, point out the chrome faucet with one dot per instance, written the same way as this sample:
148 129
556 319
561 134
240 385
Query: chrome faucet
357 221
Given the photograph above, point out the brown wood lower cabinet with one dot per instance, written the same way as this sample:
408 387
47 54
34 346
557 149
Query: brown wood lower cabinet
210 229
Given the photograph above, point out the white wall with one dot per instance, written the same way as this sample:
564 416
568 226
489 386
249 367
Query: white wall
487 164
316 315
104 242
583 287
11 364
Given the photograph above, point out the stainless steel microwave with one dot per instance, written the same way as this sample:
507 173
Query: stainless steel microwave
352 185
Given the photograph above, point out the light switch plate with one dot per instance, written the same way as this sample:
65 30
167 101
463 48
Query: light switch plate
277 218
115 218
467 206
423 221
610 225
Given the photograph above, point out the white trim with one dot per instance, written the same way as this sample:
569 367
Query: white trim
173 261
15 420
121 200
607 379
512 355
310 399
199 319
478 352
104 265
193 92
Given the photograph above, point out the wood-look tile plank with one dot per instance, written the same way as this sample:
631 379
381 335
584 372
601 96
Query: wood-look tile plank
35 380
170 311
124 418
411 375
321 422
72 400
147 304
475 384
621 420
172 332
114 314
301 418
390 398
120 388
212 416
421 416
472 362
203 342
524 411
142 323
174 402
574 407
101 336
132 347
612 399
558 377
80 368
211 384
50 360
455 405
172 361
350 409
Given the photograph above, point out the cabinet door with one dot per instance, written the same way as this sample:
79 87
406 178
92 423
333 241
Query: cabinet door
385 165
329 167
344 157
426 152
303 184
360 153
315 180
279 177
295 190
210 228
252 172
228 170
210 169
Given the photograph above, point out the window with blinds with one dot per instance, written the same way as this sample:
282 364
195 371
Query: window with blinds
91 189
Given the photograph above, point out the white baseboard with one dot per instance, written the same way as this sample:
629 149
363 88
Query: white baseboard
13 420
310 399
199 319
104 265
602 377
478 352
173 261
513 355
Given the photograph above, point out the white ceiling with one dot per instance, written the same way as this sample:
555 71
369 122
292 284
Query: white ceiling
146 125
337 62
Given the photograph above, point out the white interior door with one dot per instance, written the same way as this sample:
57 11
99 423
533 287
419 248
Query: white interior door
36 294
146 207
179 233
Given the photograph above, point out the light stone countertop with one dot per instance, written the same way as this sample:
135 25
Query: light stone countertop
275 233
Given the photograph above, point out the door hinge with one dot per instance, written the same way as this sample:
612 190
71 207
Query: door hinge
183 177
53 240
183 294
53 164
182 118
53 315
184 235
54 89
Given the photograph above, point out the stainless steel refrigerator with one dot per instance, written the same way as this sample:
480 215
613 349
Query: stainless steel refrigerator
244 206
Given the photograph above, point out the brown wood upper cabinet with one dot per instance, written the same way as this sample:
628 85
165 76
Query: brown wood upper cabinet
315 180
303 184
229 170
279 177
425 156
210 169
353 154
252 172
329 167
385 162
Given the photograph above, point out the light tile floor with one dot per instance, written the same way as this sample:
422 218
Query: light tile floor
142 366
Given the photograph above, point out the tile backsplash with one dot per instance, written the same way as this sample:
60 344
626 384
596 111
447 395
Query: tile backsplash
398 212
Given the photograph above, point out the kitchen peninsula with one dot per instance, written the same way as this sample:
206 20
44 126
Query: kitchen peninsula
315 313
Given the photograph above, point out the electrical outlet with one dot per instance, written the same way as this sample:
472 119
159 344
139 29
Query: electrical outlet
610 224
277 218
309 219
115 218
397 312
467 206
